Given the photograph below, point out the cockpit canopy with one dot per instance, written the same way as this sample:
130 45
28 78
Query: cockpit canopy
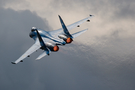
33 29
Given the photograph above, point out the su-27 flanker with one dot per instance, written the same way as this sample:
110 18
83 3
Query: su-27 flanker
49 40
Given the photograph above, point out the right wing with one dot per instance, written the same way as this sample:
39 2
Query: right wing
70 27
76 24
32 49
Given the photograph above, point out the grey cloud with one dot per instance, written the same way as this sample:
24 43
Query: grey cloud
97 68
119 9
14 38
4 2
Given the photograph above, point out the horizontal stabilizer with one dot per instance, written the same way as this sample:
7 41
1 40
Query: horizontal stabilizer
78 33
42 55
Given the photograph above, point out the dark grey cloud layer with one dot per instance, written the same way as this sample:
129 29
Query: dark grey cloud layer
14 38
108 64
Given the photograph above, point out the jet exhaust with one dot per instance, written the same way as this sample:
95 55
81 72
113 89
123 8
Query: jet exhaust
65 38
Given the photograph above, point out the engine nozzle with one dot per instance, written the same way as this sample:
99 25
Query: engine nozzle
69 40
55 48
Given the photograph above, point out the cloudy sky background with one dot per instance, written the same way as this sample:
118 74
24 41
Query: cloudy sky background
102 58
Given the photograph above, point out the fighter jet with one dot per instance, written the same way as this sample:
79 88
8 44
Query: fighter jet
49 41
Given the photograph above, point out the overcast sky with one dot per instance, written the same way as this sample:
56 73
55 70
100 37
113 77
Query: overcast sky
103 58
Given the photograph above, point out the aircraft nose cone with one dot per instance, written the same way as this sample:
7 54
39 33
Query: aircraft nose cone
31 34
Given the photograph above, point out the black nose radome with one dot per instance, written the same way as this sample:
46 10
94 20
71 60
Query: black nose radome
31 34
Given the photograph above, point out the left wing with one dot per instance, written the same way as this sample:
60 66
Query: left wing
32 49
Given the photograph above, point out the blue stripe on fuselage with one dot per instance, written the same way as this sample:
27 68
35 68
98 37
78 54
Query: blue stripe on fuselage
47 35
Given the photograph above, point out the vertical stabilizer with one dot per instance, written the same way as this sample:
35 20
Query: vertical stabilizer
42 43
65 30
